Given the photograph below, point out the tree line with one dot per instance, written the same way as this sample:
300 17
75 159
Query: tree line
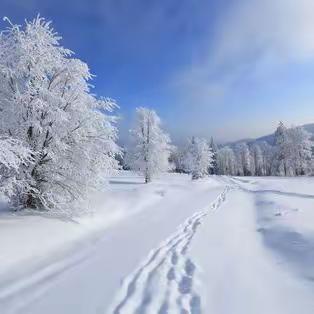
289 154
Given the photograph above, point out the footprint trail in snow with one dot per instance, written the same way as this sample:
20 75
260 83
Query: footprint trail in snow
164 282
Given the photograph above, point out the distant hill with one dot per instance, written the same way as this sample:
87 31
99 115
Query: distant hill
270 138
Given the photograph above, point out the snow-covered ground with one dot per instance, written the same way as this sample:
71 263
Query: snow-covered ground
218 245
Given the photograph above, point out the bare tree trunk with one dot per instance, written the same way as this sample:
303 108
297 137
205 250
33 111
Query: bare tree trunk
147 174
147 177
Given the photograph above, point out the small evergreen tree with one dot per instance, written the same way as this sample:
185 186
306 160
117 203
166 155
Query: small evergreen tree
214 150
282 165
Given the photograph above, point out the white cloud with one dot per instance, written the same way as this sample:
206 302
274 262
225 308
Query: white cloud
281 28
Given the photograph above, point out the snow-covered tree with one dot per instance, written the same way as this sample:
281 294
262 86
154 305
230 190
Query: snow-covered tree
245 166
214 149
293 151
300 150
282 165
257 157
267 158
226 161
198 158
46 104
150 146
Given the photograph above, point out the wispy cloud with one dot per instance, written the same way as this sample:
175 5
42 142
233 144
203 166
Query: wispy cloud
282 29
251 38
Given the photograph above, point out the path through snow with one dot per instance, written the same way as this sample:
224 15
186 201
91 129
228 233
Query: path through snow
164 282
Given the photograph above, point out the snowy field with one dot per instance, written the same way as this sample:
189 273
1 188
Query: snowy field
219 245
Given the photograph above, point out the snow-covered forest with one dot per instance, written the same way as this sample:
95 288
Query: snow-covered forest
289 154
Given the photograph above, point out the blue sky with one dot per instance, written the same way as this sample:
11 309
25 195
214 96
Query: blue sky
227 68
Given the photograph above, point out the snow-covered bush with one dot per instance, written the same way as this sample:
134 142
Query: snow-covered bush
177 159
198 158
149 147
46 104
